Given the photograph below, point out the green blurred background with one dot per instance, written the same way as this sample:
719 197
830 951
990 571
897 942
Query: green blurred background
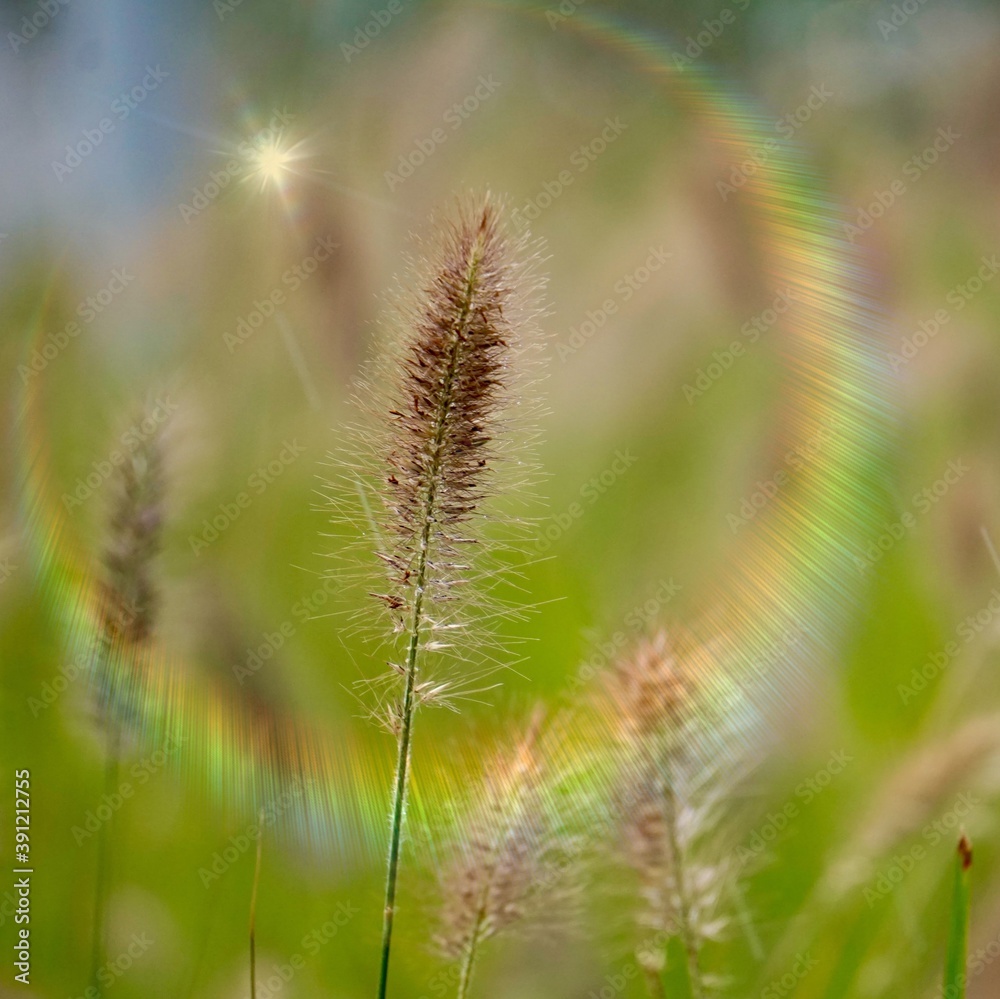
882 82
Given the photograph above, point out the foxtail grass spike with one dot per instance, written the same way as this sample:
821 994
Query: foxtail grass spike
452 382
652 700
129 609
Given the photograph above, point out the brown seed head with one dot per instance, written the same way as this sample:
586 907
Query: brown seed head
649 690
133 539
453 382
505 856
449 391
965 852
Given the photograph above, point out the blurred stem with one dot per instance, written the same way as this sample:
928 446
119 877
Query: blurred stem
421 579
653 981
253 908
687 935
206 936
469 960
104 856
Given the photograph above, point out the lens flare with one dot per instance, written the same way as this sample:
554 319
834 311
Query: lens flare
775 610
274 163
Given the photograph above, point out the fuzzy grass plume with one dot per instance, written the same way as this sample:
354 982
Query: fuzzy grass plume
509 858
669 802
444 393
133 540
130 602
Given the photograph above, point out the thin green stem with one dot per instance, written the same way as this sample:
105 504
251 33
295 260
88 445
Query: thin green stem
253 909
399 796
415 630
957 955
104 856
471 953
